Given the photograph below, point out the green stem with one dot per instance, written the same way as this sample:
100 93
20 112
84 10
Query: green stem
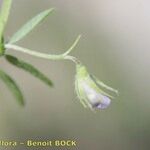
72 58
42 55
2 48
63 56
73 45
34 53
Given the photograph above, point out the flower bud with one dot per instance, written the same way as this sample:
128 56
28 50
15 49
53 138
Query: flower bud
88 89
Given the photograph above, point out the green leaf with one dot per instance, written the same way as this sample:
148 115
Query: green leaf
30 25
12 86
5 9
29 68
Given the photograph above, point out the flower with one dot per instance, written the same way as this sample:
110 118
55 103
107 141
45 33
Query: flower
88 89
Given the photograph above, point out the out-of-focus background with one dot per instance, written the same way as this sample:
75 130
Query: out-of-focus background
114 46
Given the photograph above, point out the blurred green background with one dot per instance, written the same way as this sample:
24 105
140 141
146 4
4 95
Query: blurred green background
114 46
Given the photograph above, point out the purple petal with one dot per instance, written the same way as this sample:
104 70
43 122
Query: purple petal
105 103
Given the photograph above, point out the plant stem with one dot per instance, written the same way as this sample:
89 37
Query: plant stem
34 53
73 45
42 55
72 58
63 56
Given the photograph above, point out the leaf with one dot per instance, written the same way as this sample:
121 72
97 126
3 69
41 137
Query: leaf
5 9
29 68
12 86
30 25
